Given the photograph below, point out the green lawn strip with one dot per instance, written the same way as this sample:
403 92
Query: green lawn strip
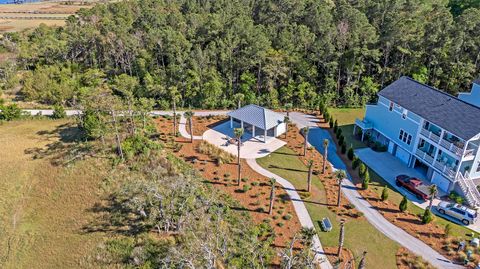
360 234
346 118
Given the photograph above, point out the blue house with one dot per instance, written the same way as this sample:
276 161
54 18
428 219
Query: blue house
429 130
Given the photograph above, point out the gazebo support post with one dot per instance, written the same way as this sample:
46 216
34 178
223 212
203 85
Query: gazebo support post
231 122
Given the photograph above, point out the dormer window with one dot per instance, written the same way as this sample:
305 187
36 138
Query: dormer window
390 108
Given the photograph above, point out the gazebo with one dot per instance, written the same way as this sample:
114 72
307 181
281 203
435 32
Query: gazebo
258 121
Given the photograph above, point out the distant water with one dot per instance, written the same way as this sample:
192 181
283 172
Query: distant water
17 1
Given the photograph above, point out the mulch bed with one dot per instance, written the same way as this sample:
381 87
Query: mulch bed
224 177
201 123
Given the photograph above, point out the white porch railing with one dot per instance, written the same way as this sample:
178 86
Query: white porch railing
451 147
432 136
469 189
424 156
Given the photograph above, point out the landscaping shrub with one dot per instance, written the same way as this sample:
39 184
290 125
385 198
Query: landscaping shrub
366 180
355 162
330 122
447 231
287 217
403 204
244 179
454 196
327 117
341 139
344 148
255 183
361 170
338 133
335 126
59 112
10 112
384 196
427 216
138 144
280 224
226 175
350 154
246 188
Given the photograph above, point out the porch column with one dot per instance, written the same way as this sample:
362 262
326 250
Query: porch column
253 130
354 129
231 122
363 134
264 135
241 124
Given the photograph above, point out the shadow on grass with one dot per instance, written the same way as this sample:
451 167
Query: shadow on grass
65 148
288 169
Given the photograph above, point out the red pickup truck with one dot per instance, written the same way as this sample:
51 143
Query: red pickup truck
414 185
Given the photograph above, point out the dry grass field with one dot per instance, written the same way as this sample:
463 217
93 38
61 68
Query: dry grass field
44 207
26 16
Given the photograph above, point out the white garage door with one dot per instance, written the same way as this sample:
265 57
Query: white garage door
441 182
403 155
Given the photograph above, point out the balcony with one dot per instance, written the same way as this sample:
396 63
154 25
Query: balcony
445 169
430 135
424 156
452 147
363 124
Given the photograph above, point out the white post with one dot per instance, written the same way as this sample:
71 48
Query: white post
231 122
241 124
253 131
363 134
264 135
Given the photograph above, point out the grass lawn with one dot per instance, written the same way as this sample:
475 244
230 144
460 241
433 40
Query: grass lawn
44 207
359 234
346 118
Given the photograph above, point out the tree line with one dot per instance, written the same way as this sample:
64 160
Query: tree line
215 53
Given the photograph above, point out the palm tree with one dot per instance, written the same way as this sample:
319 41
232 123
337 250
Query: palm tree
340 175
341 238
272 195
433 192
305 131
238 135
189 115
309 179
288 107
325 154
287 122
361 264
174 95
239 97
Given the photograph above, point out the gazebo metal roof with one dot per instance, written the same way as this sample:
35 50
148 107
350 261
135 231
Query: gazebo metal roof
258 116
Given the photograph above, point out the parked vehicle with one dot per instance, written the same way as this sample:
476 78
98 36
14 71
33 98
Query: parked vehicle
462 213
414 185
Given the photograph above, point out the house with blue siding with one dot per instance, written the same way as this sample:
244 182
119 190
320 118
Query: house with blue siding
431 131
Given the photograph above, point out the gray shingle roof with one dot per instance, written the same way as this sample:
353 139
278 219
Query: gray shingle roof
258 116
452 114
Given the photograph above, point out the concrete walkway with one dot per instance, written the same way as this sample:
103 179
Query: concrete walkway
299 207
316 137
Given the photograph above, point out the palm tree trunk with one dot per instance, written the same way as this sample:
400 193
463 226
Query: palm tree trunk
239 166
174 119
191 129
361 264
341 238
339 193
309 181
324 160
272 197
117 136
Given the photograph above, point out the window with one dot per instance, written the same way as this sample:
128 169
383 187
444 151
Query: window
390 108
405 137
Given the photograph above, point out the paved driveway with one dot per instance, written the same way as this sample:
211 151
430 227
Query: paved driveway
388 167
252 148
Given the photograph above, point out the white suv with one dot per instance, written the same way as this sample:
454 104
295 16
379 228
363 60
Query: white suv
460 212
